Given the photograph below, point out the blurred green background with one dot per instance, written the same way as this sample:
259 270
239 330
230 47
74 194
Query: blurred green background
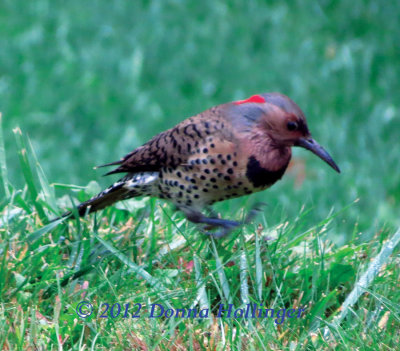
89 81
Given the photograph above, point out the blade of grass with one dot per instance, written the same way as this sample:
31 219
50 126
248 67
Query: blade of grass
221 274
28 174
48 191
201 295
244 287
68 186
3 270
365 280
44 230
153 282
259 269
3 165
297 239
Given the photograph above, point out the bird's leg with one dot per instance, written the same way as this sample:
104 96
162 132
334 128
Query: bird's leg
211 214
225 225
198 218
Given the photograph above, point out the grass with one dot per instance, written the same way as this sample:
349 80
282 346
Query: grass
82 84
141 253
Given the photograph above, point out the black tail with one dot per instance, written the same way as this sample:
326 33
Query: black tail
132 185
107 197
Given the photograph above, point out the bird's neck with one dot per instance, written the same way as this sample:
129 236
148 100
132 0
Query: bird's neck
270 155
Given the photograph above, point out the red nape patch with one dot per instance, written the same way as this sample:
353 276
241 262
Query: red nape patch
258 99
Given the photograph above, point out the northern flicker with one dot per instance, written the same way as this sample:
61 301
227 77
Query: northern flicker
225 152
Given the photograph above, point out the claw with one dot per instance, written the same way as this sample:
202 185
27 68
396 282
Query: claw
254 211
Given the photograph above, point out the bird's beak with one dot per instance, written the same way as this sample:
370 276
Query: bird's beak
314 147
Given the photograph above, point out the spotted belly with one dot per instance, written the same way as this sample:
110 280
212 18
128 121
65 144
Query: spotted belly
206 180
203 181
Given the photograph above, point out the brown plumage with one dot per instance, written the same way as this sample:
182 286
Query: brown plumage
227 151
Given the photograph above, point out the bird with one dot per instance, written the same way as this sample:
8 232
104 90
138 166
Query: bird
227 151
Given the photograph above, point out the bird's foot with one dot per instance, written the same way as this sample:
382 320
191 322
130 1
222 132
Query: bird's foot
255 209
225 226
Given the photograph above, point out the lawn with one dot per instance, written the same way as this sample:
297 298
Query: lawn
84 83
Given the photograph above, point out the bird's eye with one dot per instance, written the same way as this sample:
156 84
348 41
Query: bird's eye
292 126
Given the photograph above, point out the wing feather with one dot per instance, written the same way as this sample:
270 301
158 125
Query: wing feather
175 146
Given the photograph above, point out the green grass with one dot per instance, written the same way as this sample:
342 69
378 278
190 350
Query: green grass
83 83
144 253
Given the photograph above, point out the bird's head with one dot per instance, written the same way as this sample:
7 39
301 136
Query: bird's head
282 120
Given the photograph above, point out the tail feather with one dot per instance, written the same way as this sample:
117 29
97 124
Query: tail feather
107 197
132 185
114 193
109 164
